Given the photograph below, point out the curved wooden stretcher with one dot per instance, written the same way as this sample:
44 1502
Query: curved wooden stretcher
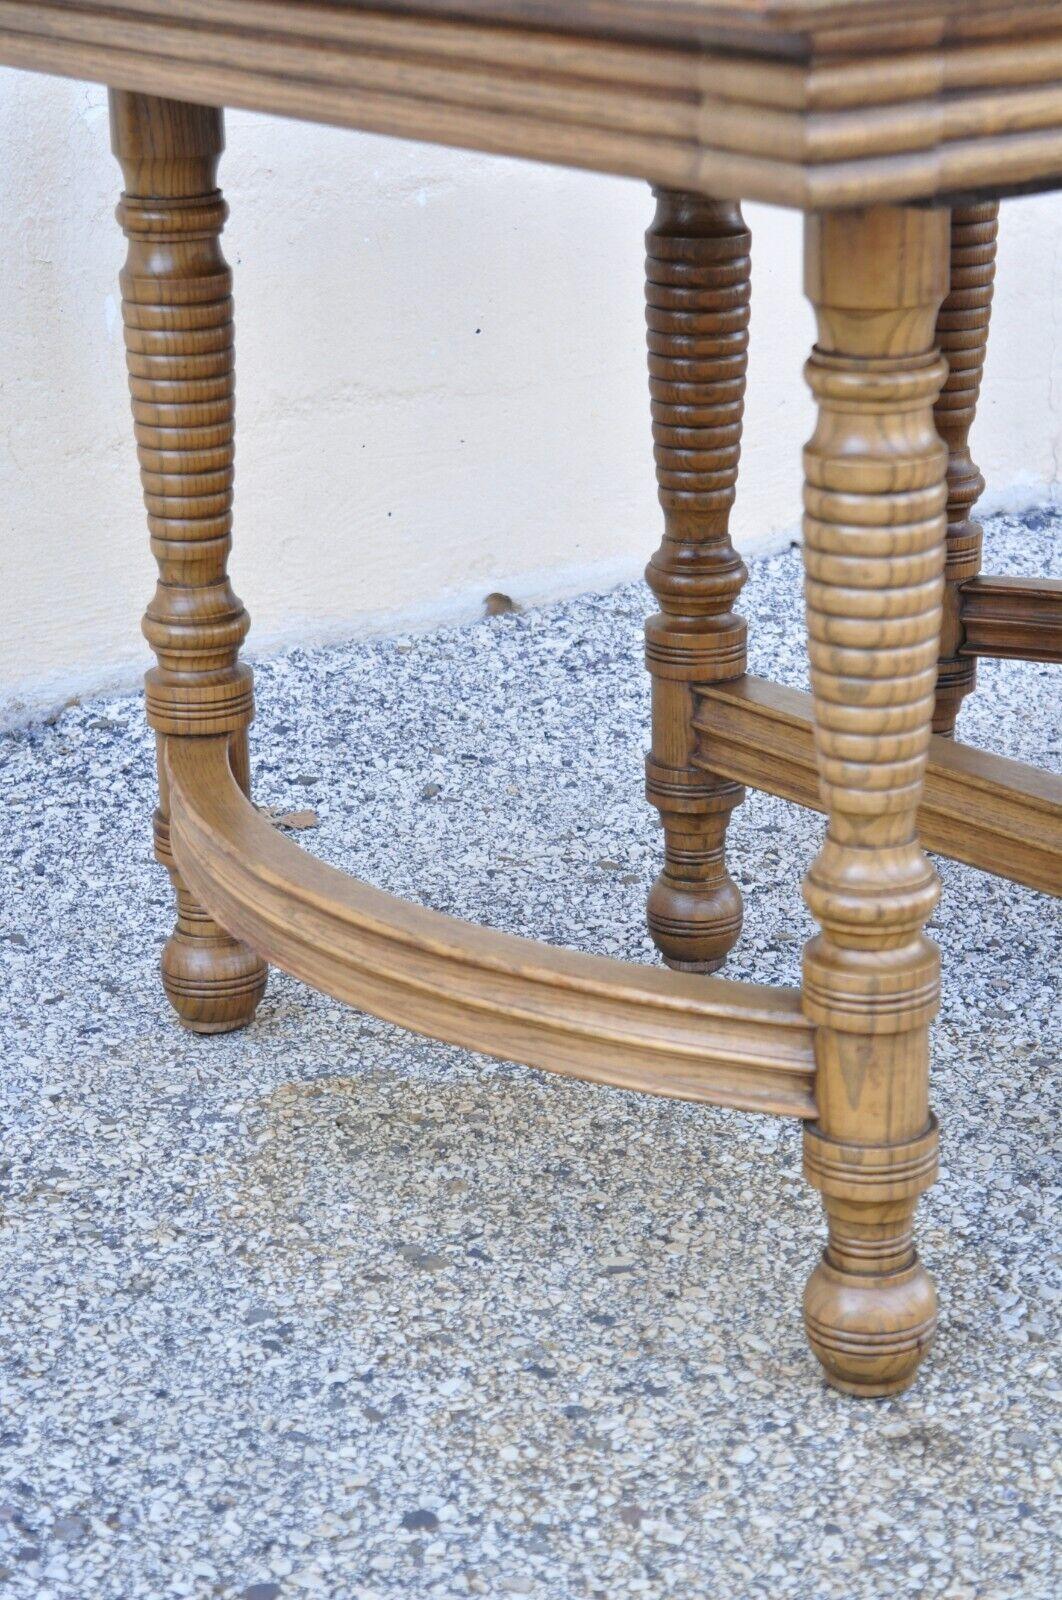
895 127
729 1044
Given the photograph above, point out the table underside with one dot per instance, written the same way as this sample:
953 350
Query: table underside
805 103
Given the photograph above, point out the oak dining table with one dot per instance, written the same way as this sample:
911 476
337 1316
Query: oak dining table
896 127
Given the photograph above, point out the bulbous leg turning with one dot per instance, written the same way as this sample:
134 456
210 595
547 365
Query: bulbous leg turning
962 332
870 1333
694 909
214 983
697 295
870 1307
874 530
177 310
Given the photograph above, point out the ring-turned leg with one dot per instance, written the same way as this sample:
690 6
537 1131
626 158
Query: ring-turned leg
874 532
177 310
962 333
697 292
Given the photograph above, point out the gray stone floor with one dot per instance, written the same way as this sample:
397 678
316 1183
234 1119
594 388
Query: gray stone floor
325 1309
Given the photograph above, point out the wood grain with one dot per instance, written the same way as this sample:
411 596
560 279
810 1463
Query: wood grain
874 532
781 24
583 1016
962 334
1002 816
1019 618
941 101
177 310
697 307
856 111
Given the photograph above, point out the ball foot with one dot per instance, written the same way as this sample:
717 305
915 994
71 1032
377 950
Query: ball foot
694 925
214 983
870 1332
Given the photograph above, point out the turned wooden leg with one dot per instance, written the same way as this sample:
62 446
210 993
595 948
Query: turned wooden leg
962 333
177 309
697 292
874 531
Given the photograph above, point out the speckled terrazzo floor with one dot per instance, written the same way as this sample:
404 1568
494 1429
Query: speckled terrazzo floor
324 1309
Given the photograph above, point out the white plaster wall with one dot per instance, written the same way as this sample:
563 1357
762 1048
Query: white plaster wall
441 386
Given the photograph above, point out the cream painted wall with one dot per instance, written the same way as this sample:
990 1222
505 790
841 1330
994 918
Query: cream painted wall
441 387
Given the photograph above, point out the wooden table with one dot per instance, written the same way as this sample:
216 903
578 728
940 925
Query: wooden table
895 125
